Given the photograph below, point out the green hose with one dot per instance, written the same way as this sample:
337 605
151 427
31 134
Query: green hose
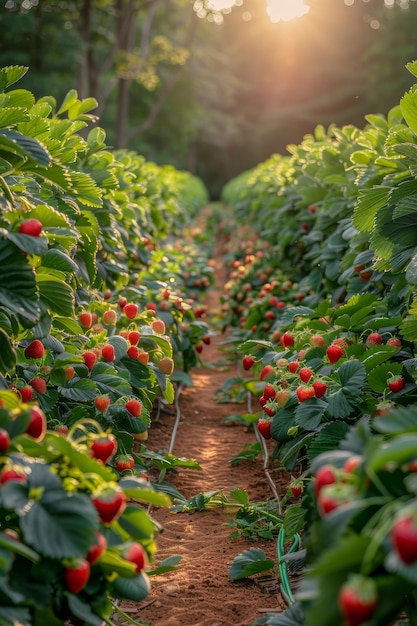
285 586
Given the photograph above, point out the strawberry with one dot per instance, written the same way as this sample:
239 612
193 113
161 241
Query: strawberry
373 339
97 548
267 372
110 503
365 275
35 350
31 227
124 462
166 365
122 303
334 353
264 427
247 362
110 317
102 403
9 473
103 448
333 496
89 358
287 339
262 401
37 424
136 554
282 397
130 310
269 392
61 429
133 352
134 407
304 392
357 599
305 374
293 366
86 319
133 337
158 327
38 384
77 576
317 341
395 383
394 341
206 339
151 306
383 407
320 388
4 440
69 373
26 393
108 353
325 475
270 408
143 357
296 489
404 538
199 348
107 294
352 463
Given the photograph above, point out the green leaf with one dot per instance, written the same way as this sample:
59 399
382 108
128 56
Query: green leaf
83 390
240 495
408 104
82 610
375 356
167 565
28 147
309 414
136 523
57 294
18 289
11 74
8 357
394 453
58 260
249 562
137 489
135 588
377 378
369 201
344 398
397 420
294 520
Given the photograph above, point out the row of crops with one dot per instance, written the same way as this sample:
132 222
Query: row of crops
99 325
321 307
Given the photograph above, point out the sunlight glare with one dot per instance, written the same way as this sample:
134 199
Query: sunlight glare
286 10
220 5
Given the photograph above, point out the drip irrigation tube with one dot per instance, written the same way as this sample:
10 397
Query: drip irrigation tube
285 586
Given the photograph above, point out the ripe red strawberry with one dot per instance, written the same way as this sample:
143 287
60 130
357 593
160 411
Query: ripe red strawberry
37 424
304 392
97 548
77 576
264 427
134 407
404 538
317 341
199 348
86 319
110 503
166 365
247 362
31 227
325 475
143 357
108 353
35 350
293 366
107 294
124 462
103 448
136 554
287 339
357 599
296 489
133 337
206 339
394 341
102 403
262 401
333 496
122 303
61 429
158 327
90 359
373 339
270 408
395 383
352 463
109 317
4 440
334 353
130 310
269 392
267 372
38 384
26 393
8 473
133 352
320 388
69 373
151 306
305 374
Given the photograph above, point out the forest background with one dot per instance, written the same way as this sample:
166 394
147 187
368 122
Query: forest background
213 92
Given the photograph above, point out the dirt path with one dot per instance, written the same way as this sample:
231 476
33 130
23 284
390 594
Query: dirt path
200 592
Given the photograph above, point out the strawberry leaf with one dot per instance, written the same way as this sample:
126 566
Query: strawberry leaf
308 415
249 562
345 396
135 588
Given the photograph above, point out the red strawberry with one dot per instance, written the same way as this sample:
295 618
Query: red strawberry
77 576
320 388
9 473
158 327
199 348
269 392
136 554
130 310
373 339
334 353
124 462
305 374
166 365
35 350
110 317
262 401
395 383
143 357
103 448
151 306
38 384
333 496
304 392
267 372
270 408
107 294
352 463
296 489
287 339
4 440
133 352
133 337
247 362
86 319
134 407
30 227
97 548
325 475
404 538
122 303
293 366
394 341
264 427
26 393
37 424
102 403
89 358
357 599
110 503
69 373
317 341
108 353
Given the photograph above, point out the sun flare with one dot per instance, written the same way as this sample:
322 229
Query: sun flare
286 10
